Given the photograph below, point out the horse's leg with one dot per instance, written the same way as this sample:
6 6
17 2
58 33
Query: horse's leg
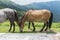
43 27
13 27
29 25
33 26
47 26
10 27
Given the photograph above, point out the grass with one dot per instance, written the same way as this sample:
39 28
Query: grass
4 27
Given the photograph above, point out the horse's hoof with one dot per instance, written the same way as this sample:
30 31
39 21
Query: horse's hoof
33 30
12 31
21 31
41 30
45 30
28 28
9 31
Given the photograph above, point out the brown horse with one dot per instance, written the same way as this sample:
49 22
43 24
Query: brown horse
37 15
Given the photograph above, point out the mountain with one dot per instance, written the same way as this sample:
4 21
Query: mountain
10 4
53 6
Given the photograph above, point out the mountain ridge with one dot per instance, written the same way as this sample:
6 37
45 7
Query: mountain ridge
53 6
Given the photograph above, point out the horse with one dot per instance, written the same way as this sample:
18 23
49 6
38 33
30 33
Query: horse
9 14
43 15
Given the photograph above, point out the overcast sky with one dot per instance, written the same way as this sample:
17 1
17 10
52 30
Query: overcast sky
24 2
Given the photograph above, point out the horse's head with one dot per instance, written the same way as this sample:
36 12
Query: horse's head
21 26
21 23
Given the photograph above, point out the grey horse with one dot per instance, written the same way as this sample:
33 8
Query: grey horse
11 15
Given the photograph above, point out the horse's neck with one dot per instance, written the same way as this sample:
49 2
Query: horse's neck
23 19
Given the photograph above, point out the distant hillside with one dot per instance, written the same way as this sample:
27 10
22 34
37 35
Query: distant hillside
53 6
10 4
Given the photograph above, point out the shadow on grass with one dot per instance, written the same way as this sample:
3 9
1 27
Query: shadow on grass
51 32
26 32
47 32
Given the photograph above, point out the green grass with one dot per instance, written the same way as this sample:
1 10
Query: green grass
4 27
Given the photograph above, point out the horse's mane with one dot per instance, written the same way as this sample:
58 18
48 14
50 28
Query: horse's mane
22 19
16 16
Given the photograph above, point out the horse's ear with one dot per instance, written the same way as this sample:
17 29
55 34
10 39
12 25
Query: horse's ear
15 10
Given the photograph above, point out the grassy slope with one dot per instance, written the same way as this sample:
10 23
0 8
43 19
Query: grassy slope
5 26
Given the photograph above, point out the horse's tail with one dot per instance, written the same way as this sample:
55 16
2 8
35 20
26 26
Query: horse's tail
16 16
50 20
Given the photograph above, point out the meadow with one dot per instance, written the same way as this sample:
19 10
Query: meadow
4 27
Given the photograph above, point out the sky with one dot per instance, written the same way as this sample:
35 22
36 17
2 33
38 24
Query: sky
24 2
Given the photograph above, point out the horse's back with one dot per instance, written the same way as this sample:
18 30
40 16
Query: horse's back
9 13
6 9
37 12
39 15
